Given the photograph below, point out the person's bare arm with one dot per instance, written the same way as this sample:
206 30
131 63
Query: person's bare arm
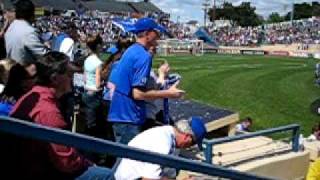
172 92
98 77
163 71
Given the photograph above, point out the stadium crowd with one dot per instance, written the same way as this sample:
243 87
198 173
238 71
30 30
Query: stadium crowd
85 25
118 96
305 31
95 22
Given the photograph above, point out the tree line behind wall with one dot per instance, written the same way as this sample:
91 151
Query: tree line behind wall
245 14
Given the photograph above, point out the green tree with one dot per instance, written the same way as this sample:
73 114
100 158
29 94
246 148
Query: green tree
315 9
228 12
275 17
304 10
244 14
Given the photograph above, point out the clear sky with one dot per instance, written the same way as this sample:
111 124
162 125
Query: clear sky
192 9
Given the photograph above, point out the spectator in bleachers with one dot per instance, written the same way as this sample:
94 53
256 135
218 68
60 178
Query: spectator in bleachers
19 82
8 16
22 42
65 41
108 88
92 77
315 134
127 109
154 108
115 55
32 159
163 140
245 125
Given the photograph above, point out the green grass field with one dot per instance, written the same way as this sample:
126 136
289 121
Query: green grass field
274 91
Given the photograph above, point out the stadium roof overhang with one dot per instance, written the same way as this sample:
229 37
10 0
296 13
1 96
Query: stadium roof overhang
100 5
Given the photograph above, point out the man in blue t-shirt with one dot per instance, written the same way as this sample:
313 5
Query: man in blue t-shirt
127 110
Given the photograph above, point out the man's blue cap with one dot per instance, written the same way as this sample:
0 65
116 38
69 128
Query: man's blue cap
199 130
147 24
112 50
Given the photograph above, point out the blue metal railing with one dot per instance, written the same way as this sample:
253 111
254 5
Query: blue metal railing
295 139
32 130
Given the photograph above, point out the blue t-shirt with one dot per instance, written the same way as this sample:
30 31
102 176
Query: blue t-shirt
132 71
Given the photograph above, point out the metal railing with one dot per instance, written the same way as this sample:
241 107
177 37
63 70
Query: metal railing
208 151
35 131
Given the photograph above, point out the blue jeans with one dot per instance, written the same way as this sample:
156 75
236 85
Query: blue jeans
96 173
124 133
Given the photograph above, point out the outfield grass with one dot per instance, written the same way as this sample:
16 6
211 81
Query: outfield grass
274 91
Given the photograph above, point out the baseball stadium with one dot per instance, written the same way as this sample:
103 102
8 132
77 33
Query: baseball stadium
157 90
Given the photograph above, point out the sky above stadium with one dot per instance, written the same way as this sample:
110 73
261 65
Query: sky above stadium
187 10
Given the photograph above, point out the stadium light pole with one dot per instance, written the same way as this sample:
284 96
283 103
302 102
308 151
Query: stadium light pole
214 10
205 5
292 12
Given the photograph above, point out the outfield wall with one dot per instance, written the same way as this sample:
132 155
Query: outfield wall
276 50
239 51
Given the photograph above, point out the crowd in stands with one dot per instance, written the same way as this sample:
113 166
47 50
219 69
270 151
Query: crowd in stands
85 25
95 22
305 31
